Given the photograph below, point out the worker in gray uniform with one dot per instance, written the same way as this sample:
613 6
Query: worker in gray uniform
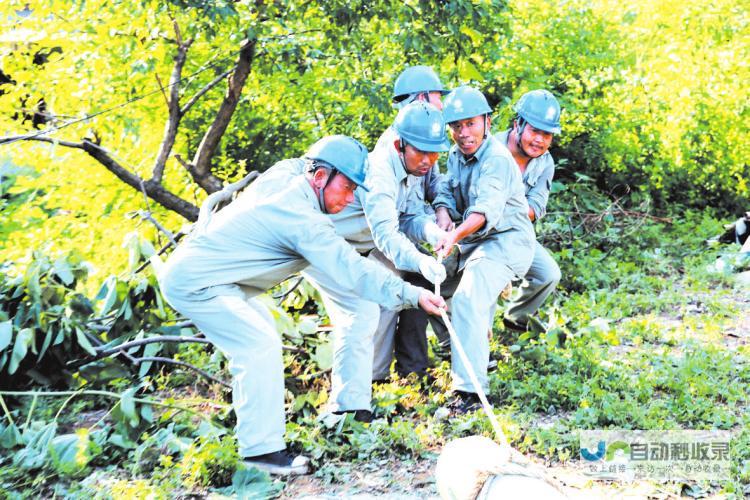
528 140
483 195
415 83
252 245
384 223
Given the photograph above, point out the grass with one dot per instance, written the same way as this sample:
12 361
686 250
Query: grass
646 348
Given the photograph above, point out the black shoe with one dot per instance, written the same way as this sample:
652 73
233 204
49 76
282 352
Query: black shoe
364 416
513 326
280 463
464 402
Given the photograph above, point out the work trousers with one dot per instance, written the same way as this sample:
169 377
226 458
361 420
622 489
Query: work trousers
474 285
539 282
243 330
354 322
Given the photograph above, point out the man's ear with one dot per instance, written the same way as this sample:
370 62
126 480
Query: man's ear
320 176
489 122
397 145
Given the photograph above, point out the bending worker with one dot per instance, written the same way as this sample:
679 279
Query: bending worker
252 245
384 223
528 140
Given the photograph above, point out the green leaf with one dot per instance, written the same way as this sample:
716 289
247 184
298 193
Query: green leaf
148 351
71 453
10 437
36 451
61 268
45 344
84 342
32 282
20 348
6 334
127 405
251 484
323 355
109 292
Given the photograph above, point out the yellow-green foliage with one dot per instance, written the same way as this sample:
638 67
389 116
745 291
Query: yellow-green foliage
654 94
210 462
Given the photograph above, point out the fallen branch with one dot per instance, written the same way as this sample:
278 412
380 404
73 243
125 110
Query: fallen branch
107 394
311 376
281 298
170 361
150 340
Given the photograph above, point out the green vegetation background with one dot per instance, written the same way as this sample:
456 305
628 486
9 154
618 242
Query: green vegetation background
656 109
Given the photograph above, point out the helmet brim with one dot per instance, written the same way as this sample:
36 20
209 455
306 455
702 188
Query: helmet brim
545 127
430 147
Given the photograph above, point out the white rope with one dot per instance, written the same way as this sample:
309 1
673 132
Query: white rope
472 376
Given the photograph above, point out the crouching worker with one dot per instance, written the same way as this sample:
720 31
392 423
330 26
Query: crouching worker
254 244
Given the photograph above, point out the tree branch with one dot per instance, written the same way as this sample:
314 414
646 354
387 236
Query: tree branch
201 170
141 342
33 137
155 190
171 361
173 105
205 89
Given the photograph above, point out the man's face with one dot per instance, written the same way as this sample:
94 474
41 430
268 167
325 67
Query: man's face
535 142
468 134
436 99
417 162
339 192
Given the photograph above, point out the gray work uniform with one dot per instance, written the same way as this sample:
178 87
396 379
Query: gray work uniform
395 196
248 247
544 273
489 183
389 208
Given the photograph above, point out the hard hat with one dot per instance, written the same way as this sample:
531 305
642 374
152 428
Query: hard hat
346 155
415 80
464 102
540 109
422 125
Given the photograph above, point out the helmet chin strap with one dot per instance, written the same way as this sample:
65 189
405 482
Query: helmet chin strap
520 127
321 191
402 156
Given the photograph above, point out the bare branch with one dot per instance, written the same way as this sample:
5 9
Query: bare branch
281 298
34 137
161 251
146 215
155 191
171 361
103 353
307 378
173 105
205 89
202 159
214 199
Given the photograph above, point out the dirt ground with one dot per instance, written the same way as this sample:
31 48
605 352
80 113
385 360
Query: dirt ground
397 479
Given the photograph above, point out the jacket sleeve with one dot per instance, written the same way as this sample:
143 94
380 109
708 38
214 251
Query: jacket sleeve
319 244
538 193
381 211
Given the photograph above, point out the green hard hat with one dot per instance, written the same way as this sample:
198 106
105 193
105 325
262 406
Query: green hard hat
416 79
465 102
541 110
341 152
422 125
